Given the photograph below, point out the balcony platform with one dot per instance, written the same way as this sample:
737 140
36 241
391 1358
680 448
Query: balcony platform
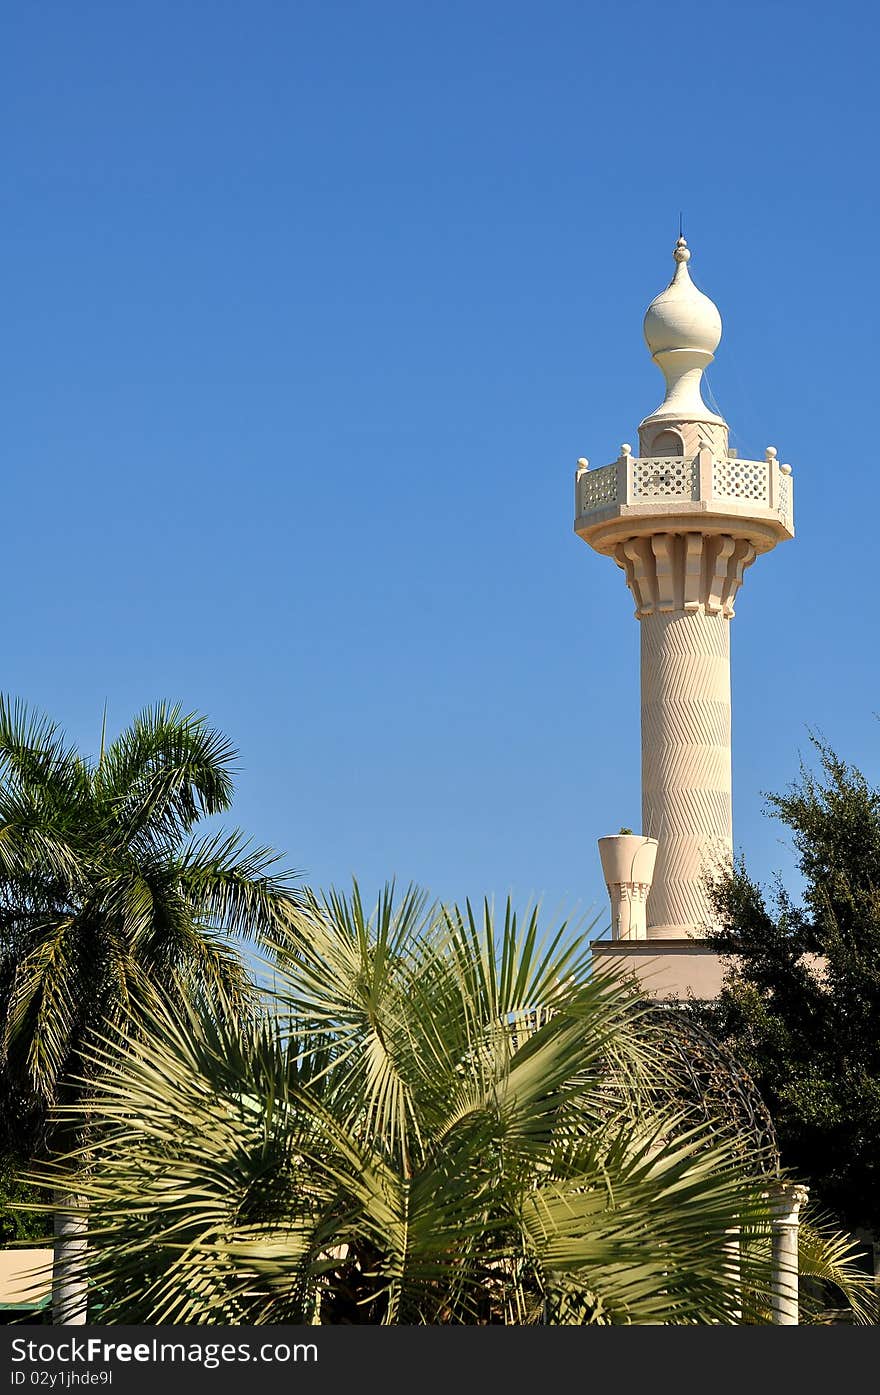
638 495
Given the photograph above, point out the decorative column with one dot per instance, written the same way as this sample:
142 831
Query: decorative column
683 519
786 1201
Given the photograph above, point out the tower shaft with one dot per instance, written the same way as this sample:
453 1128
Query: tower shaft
686 769
684 583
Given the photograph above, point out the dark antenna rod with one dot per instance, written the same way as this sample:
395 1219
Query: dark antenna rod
680 233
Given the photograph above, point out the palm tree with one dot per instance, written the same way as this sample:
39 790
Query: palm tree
105 890
437 1120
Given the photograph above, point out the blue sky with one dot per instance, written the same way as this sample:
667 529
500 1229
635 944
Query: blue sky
308 310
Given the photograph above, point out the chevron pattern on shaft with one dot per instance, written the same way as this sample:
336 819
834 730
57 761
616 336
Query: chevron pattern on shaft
680 895
687 856
680 903
686 775
696 813
681 768
687 632
682 721
690 677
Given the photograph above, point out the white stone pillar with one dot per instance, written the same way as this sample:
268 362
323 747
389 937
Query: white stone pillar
786 1201
69 1281
686 769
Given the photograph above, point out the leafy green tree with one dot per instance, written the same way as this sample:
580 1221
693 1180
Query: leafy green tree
106 889
20 1207
801 1001
442 1119
23 1127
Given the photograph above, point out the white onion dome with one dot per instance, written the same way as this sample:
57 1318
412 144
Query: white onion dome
681 317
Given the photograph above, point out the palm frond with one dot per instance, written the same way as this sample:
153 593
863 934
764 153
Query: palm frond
234 886
413 1135
97 893
164 772
40 1012
33 750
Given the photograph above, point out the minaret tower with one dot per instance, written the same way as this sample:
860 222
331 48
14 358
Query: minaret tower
683 518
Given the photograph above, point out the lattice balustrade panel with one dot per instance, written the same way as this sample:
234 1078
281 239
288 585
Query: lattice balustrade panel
665 477
784 498
740 479
598 488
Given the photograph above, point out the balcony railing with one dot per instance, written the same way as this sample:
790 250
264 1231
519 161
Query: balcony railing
638 480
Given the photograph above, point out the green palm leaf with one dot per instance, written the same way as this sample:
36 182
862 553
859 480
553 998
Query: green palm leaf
431 1119
105 889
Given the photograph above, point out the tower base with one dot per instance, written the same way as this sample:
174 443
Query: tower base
664 968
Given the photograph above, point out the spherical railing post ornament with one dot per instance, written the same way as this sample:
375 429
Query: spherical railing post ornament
628 867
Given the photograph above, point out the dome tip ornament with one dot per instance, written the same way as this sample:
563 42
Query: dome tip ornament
682 329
